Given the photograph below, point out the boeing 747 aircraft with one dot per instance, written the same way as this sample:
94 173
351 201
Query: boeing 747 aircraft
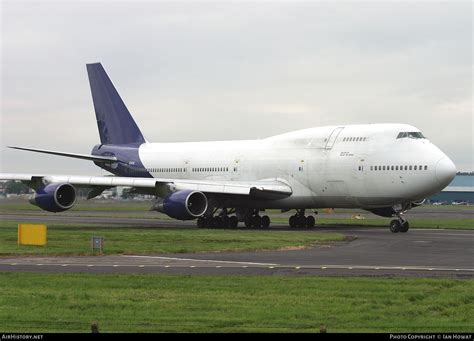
386 169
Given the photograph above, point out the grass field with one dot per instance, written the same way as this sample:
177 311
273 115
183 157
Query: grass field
162 303
76 240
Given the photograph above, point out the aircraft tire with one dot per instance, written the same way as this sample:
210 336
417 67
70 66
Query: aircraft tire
256 222
248 222
301 222
404 227
201 222
395 226
233 222
225 222
310 222
217 222
265 221
293 221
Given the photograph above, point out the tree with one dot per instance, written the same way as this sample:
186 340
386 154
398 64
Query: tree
13 187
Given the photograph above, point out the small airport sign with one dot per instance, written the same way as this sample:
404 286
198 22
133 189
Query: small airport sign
98 244
32 234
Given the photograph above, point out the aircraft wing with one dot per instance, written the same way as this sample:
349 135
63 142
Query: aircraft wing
262 189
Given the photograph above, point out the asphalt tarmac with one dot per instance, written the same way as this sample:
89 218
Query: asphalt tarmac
370 252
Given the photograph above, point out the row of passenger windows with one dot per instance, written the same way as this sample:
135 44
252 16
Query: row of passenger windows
405 167
354 139
197 169
212 169
166 170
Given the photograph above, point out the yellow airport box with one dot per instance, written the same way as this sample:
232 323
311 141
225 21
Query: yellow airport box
32 234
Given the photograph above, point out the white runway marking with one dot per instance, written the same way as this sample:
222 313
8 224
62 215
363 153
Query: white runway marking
404 268
202 260
352 267
445 234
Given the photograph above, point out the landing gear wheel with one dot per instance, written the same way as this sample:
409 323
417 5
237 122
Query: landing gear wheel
310 222
256 222
248 222
217 222
233 222
205 222
265 221
293 221
395 226
201 222
225 222
404 226
301 222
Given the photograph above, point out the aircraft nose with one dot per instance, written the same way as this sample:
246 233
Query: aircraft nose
445 170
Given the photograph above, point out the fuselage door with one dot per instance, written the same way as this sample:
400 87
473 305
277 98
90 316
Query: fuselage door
332 138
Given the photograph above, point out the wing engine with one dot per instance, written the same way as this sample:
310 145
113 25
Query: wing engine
183 205
56 197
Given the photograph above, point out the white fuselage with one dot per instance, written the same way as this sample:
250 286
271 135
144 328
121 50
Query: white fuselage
332 166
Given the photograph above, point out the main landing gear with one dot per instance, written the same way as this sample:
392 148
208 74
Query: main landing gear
399 225
220 221
254 221
224 220
300 221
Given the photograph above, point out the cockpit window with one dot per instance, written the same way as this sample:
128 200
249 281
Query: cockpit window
413 135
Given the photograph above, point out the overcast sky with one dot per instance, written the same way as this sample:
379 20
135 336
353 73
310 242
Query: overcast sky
208 71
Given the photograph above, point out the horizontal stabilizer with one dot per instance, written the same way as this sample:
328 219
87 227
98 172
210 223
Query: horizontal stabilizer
73 155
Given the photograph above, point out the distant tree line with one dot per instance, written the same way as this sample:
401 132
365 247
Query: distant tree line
14 187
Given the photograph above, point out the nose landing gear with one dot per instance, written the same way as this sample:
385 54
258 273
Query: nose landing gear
399 225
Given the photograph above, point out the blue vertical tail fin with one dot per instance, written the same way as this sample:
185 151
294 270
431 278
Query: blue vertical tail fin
116 124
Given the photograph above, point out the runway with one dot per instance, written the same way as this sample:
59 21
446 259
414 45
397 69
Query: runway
371 252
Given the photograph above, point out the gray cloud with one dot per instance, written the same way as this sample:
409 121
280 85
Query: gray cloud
203 71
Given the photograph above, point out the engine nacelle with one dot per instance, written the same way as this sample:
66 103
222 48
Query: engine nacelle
55 197
183 205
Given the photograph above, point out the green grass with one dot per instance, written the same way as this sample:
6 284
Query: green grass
76 240
162 303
